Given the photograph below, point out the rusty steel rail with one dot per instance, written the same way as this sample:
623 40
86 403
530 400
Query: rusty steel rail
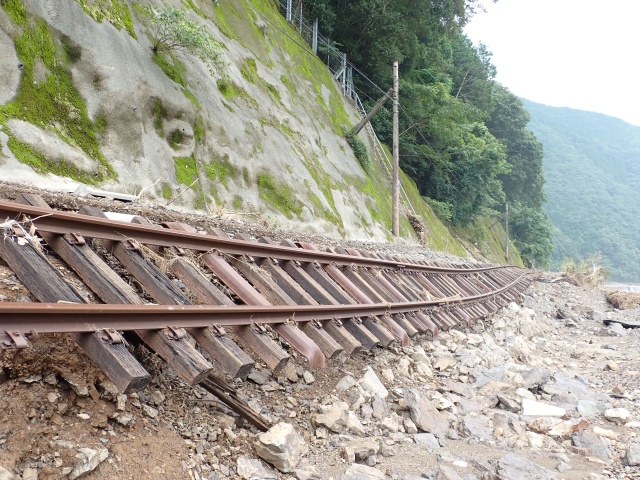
62 223
318 303
67 318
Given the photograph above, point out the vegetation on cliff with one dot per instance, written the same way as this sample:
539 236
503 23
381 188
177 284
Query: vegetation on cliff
463 136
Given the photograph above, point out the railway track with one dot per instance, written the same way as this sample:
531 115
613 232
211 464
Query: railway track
182 293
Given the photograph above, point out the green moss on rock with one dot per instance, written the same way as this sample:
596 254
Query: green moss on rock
167 191
186 169
231 91
175 139
279 195
116 12
173 69
237 202
222 170
159 114
54 103
198 129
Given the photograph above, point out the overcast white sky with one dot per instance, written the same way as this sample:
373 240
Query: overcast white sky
582 54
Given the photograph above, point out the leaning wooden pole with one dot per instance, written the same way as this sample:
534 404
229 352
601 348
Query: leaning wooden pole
373 111
395 224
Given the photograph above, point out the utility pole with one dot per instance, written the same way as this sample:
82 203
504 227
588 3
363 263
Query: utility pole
395 223
506 229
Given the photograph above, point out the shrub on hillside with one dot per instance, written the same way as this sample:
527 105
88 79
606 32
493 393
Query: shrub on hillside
359 150
171 29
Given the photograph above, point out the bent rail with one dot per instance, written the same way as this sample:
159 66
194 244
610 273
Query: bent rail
237 299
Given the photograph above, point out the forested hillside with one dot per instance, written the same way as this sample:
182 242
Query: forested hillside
592 167
463 137
221 106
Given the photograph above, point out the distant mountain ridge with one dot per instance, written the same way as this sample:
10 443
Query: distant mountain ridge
592 171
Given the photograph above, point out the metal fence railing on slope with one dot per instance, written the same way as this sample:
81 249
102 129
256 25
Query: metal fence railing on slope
381 155
335 60
342 72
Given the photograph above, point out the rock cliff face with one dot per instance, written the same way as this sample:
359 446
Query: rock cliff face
84 99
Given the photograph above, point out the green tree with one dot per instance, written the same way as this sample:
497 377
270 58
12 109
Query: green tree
532 234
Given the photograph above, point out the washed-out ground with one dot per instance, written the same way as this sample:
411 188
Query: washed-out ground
540 390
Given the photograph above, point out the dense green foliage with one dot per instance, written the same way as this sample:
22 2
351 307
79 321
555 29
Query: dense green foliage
463 136
592 166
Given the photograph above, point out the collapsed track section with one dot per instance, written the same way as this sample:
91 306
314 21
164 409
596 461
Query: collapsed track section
176 289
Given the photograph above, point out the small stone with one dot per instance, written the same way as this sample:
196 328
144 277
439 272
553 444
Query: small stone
508 403
587 408
632 457
76 384
109 389
124 419
409 426
364 447
533 408
512 466
230 435
57 419
372 384
427 439
149 411
30 474
359 472
346 383
424 415
52 397
308 377
121 402
445 362
589 440
617 415
612 366
602 432
564 467
281 446
88 460
83 416
308 472
334 418
379 407
535 439
387 450
157 398
349 454
251 468
387 374
447 473
258 377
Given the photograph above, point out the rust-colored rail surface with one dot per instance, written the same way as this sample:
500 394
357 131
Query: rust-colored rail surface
237 299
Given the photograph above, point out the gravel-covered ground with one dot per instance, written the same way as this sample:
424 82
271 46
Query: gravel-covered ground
457 406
